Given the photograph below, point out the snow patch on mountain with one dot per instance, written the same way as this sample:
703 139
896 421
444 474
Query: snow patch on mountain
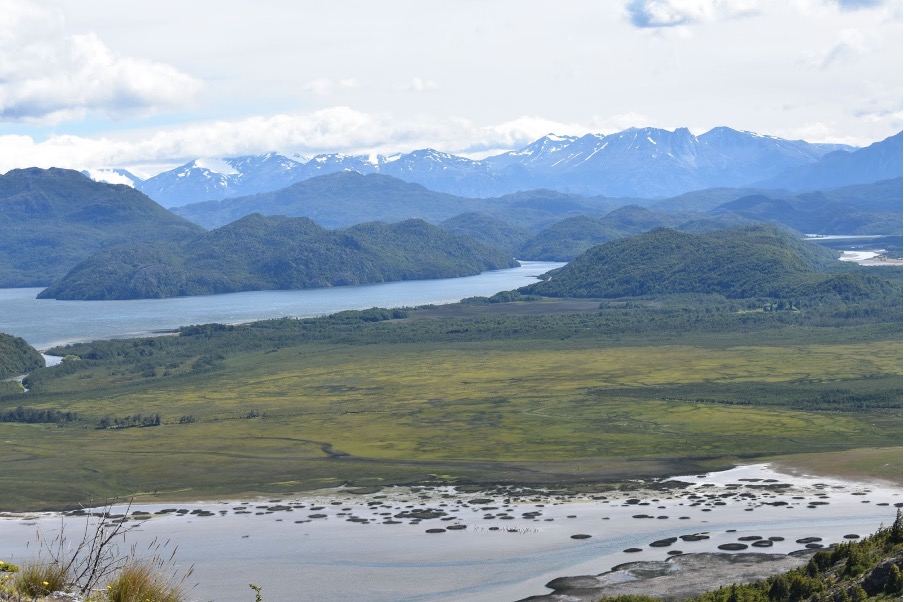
220 166
112 176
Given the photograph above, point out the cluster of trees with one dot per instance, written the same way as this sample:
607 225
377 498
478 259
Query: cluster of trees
35 416
874 395
501 297
138 420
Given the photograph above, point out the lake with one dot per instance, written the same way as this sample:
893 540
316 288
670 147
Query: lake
45 323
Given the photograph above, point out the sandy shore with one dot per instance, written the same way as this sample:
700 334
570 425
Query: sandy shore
457 544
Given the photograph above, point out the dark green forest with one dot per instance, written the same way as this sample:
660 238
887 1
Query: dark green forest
50 219
17 357
262 253
736 263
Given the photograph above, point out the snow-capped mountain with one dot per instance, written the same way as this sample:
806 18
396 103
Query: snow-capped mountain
638 162
331 163
651 162
443 172
209 179
542 151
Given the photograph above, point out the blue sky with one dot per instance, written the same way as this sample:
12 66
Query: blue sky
148 85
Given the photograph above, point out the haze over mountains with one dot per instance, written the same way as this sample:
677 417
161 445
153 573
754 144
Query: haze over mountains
638 162
343 199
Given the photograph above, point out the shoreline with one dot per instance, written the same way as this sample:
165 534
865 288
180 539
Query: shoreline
419 543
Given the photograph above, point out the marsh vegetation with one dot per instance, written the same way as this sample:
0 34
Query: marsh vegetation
535 391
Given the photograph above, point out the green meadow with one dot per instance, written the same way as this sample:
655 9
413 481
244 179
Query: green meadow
557 398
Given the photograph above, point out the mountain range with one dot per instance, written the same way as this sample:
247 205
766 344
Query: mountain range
50 220
343 199
638 162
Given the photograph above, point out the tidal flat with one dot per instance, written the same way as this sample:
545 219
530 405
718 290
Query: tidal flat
483 544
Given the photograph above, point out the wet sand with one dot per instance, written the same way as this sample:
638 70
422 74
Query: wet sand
497 544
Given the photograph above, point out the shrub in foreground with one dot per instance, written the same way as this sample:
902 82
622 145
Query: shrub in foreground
140 581
37 579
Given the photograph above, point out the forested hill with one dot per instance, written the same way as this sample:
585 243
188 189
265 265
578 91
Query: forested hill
17 357
262 253
753 261
50 219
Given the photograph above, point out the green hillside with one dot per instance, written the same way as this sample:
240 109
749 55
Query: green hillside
568 238
814 214
261 253
50 219
17 357
488 230
757 261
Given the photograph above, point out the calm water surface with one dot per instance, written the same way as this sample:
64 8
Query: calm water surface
296 557
48 322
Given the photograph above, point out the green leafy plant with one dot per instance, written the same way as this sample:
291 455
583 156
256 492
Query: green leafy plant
8 567
257 592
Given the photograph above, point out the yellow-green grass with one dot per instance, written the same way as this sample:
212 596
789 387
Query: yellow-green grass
865 464
486 412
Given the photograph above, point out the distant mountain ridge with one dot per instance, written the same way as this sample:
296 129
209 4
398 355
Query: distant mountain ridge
345 198
637 162
879 161
342 199
867 209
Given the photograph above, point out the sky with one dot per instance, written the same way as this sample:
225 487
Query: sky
88 84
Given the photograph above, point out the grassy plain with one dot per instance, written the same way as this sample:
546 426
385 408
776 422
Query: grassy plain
526 408
864 464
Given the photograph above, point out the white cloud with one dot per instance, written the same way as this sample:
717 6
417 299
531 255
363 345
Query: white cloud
418 84
325 86
337 129
670 13
50 76
524 130
346 130
850 43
